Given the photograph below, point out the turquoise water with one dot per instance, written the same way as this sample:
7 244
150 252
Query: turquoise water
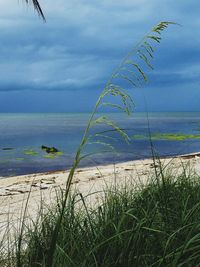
22 134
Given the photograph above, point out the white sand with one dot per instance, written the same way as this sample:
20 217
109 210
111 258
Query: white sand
15 190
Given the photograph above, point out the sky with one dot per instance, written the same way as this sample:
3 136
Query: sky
63 65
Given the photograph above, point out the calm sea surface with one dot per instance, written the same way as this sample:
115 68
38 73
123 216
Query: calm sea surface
22 135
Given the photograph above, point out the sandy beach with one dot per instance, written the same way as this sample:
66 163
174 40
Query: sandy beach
14 191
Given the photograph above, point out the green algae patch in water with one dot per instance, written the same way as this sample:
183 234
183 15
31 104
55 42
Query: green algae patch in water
53 155
30 152
173 137
19 159
168 136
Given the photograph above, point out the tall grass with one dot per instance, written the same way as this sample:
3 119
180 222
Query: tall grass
152 224
130 72
54 241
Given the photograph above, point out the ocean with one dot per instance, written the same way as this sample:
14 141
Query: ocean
22 135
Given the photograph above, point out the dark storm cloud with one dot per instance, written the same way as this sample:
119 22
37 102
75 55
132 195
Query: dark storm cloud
82 42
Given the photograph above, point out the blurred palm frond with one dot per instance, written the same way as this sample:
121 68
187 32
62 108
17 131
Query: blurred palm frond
37 7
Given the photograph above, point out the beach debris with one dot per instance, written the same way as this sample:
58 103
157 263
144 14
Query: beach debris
189 156
76 181
80 170
48 181
92 178
154 165
128 169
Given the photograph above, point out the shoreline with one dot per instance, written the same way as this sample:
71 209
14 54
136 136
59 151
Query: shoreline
183 156
187 155
15 191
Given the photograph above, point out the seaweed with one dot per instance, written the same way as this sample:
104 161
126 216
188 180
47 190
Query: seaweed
168 136
30 152
53 155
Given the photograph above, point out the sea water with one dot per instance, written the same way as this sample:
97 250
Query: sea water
22 135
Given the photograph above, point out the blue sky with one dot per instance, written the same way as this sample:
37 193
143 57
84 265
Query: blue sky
62 65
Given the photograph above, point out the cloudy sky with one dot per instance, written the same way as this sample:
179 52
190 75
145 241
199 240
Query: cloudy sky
63 64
